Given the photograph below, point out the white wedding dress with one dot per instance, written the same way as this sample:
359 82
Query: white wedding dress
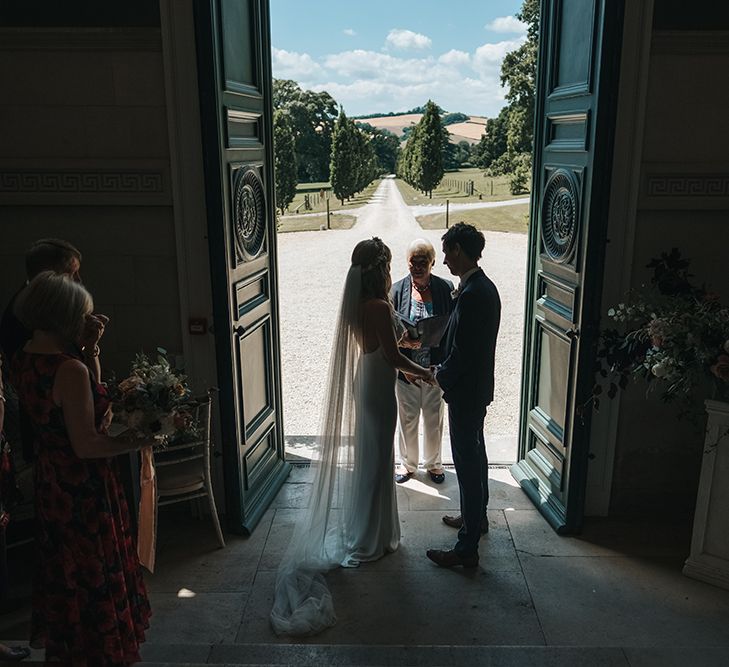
352 512
375 528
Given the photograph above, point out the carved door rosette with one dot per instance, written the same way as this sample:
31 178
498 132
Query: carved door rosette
560 216
249 214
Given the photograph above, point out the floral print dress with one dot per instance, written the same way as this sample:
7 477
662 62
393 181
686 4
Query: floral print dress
90 605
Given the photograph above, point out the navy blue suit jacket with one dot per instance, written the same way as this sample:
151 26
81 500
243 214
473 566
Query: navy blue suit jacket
467 372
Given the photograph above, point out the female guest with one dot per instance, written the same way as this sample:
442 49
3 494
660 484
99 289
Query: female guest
89 601
7 490
420 294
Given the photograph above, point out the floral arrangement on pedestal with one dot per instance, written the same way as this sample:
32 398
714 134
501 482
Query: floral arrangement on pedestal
152 401
671 333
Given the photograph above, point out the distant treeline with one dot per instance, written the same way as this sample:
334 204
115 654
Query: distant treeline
420 109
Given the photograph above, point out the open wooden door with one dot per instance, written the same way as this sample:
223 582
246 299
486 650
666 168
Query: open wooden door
577 87
234 65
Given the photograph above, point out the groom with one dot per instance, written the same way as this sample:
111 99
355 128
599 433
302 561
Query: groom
467 379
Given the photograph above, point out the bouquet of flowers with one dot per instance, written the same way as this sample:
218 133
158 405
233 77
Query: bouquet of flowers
153 400
672 333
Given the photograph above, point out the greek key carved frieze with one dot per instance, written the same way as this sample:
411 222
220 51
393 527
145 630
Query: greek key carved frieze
688 185
80 182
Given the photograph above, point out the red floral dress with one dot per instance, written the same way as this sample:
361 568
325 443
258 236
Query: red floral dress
90 604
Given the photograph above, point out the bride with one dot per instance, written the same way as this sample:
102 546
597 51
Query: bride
352 512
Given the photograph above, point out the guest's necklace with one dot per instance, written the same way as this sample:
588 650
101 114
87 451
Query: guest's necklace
421 289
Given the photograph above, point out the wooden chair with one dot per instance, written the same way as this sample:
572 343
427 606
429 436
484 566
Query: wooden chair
183 470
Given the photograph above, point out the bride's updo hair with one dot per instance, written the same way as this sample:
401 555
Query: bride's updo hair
373 256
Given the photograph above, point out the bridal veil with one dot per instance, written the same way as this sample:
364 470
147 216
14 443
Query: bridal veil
302 601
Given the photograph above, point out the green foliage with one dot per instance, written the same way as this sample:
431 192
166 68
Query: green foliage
353 163
385 144
493 143
312 119
457 117
391 114
518 74
343 176
511 134
428 158
284 164
521 174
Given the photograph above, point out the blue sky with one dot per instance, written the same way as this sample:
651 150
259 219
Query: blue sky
380 56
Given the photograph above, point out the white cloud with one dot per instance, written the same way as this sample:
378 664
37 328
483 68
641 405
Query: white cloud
509 24
292 65
488 57
369 81
349 32
365 81
407 39
455 57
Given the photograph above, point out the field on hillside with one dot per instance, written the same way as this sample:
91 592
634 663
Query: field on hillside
470 130
395 124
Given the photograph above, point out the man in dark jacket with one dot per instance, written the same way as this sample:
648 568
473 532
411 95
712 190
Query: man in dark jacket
467 379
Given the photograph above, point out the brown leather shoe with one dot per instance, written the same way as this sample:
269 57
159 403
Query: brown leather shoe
457 521
451 558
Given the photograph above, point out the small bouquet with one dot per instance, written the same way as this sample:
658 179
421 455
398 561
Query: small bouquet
153 400
673 334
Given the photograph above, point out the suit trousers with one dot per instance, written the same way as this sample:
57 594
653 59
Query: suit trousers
411 401
466 421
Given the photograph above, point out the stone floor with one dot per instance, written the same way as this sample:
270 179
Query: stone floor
613 596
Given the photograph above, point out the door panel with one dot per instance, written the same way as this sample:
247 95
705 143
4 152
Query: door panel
574 118
235 96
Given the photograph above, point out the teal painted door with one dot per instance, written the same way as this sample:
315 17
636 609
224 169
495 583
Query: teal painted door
577 84
234 69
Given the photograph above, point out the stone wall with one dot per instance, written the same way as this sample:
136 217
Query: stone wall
84 156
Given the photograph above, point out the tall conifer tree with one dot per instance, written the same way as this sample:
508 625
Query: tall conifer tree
342 167
284 162
429 150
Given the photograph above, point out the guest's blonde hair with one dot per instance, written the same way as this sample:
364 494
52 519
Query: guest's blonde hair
421 247
53 302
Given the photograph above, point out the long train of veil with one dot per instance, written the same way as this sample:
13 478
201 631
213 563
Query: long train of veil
302 601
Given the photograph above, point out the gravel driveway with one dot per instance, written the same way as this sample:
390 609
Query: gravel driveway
312 268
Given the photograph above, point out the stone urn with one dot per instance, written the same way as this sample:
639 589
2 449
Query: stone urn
709 558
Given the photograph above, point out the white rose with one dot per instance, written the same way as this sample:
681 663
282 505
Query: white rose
660 370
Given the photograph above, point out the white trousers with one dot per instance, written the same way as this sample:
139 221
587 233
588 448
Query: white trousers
411 401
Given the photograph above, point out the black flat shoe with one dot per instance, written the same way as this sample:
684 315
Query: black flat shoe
13 653
403 477
437 477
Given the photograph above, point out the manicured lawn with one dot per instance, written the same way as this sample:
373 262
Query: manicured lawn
310 223
502 219
318 203
454 187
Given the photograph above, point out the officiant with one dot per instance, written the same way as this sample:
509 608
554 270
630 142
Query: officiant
417 296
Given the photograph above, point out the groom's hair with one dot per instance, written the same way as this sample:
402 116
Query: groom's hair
468 237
